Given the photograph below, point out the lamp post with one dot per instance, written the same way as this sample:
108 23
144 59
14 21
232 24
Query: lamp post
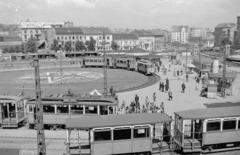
224 70
60 50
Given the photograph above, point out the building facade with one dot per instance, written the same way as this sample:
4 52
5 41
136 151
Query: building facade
97 34
159 39
223 30
198 32
34 29
126 41
237 34
180 34
145 39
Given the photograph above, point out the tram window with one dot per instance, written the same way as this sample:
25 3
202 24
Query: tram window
62 109
99 60
48 108
86 60
141 133
103 110
91 60
102 135
95 60
91 109
76 109
31 108
213 126
110 110
121 134
229 125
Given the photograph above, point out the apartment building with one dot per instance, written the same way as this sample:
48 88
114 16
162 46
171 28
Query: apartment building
179 34
126 41
145 39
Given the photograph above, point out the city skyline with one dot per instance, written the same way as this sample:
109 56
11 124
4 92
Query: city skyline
133 14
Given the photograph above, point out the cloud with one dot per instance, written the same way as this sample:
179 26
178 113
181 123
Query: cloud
84 3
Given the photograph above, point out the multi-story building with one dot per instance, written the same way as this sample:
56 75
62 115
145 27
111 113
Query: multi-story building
126 41
198 32
179 34
34 29
222 30
159 39
97 34
145 38
237 34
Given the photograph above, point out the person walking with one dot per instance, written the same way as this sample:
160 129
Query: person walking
181 72
162 87
162 107
137 102
187 77
154 98
170 94
197 83
123 108
147 102
167 81
132 105
178 74
166 87
183 87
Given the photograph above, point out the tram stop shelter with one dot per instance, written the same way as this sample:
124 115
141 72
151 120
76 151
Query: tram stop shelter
109 134
11 111
136 51
229 84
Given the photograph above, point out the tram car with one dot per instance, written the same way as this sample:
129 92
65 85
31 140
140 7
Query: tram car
97 61
11 111
125 63
138 133
146 67
57 109
210 130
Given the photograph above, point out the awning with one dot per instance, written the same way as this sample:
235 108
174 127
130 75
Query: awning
190 66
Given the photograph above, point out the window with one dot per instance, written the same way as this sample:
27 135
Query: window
91 60
102 135
73 37
95 60
65 37
99 60
76 109
100 37
110 110
121 134
140 132
213 126
62 109
69 37
62 37
31 108
58 38
103 110
91 109
49 108
76 37
108 37
229 124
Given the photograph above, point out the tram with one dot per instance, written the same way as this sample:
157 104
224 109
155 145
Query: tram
146 67
57 109
139 133
210 130
125 63
11 111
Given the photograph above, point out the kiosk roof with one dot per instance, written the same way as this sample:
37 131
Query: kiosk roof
209 113
87 122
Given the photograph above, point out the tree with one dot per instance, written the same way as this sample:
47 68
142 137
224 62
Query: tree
31 45
79 46
55 45
114 45
5 50
11 50
68 46
90 44
17 49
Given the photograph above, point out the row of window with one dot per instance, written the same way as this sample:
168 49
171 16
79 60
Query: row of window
74 109
145 65
94 60
32 31
226 125
121 134
76 37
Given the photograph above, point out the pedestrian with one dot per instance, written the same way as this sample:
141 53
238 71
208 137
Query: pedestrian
162 107
158 68
154 98
174 72
178 74
167 81
170 94
197 83
181 72
183 87
123 108
166 87
144 110
111 90
132 105
162 87
147 102
137 102
187 77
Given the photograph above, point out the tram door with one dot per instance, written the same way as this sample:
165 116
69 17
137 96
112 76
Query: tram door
9 110
128 64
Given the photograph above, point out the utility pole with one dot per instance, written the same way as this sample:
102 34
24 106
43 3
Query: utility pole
104 66
60 50
224 70
39 112
186 58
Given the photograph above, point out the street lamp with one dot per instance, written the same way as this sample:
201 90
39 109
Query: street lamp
60 50
224 70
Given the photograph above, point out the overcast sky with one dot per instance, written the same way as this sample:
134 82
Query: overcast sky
139 14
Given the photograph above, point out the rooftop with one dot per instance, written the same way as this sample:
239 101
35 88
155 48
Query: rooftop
117 120
176 28
68 30
225 25
124 37
210 113
95 30
142 33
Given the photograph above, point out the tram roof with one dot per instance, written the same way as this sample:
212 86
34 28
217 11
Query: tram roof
222 104
9 99
117 120
219 112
